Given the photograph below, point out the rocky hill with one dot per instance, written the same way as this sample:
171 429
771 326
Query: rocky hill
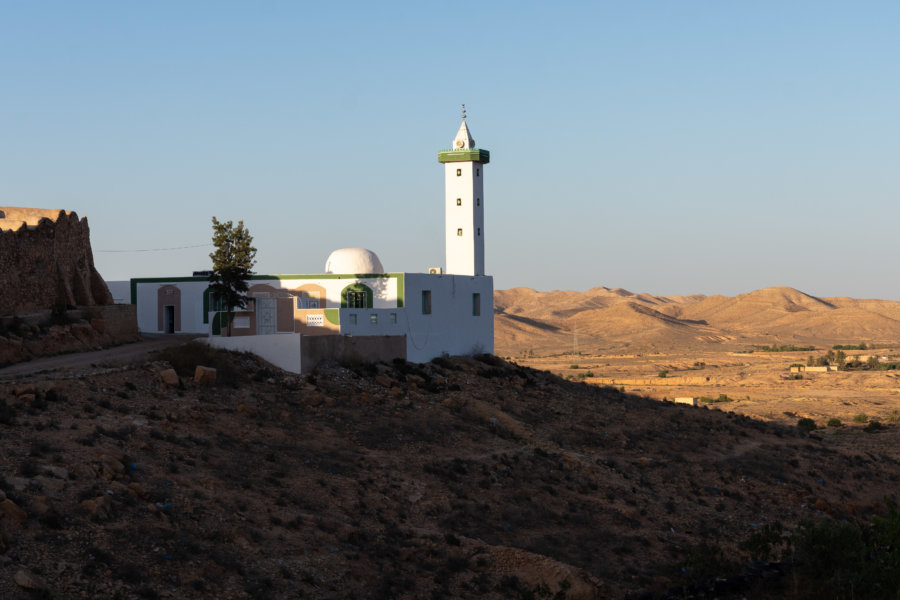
461 478
602 319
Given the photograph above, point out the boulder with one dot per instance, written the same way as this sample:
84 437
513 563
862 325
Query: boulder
28 580
97 508
385 381
170 378
10 509
205 375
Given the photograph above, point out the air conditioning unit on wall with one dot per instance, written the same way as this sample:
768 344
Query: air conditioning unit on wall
435 271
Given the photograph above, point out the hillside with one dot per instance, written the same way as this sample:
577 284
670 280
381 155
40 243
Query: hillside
461 478
602 319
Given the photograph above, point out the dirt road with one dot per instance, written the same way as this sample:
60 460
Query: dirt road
117 355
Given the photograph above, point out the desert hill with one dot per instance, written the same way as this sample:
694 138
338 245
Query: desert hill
602 319
461 478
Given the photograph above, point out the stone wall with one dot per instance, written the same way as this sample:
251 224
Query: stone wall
47 261
47 332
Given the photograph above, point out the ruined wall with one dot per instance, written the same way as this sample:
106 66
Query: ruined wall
46 261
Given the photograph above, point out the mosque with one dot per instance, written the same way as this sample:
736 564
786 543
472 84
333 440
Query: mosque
355 309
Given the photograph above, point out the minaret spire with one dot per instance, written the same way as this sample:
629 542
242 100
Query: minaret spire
463 139
464 203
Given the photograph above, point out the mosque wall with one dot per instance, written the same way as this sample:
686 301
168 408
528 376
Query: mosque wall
437 314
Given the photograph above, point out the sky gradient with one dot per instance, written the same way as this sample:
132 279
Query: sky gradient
662 147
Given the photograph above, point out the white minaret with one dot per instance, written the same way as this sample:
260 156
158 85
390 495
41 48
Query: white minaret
464 203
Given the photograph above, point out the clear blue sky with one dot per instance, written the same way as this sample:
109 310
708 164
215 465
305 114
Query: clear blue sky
664 147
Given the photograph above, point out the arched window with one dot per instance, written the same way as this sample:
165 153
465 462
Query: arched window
356 295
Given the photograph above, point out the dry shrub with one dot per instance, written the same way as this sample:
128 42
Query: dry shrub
187 357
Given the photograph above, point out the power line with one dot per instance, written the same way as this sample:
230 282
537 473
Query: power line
157 249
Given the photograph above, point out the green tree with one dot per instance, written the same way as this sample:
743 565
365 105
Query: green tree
841 357
232 262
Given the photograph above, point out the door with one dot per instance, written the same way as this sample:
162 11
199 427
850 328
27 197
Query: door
169 319
265 315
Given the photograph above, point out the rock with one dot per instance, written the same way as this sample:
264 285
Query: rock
416 379
170 378
99 325
385 381
23 389
18 483
40 505
58 472
138 490
27 397
9 508
109 465
83 332
28 580
205 375
97 508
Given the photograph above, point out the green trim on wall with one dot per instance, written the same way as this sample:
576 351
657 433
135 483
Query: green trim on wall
400 290
357 287
217 324
474 155
333 315
206 294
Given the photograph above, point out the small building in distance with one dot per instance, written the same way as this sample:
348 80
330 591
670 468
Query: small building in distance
815 369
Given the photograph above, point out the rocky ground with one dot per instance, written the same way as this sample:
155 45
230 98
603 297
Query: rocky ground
461 478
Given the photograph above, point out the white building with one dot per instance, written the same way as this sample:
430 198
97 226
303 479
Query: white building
354 309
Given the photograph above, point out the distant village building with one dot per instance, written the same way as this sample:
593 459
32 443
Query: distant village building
687 400
815 369
354 308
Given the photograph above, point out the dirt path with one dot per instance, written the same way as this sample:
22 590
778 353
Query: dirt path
116 355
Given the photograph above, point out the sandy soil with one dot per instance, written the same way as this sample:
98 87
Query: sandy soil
757 384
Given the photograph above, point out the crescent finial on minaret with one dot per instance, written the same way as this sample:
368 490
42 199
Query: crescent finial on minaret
464 111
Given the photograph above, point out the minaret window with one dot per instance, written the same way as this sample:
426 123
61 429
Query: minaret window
426 302
476 305
459 172
477 171
477 201
479 231
459 201
459 231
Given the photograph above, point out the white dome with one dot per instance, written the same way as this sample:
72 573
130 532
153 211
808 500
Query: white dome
353 261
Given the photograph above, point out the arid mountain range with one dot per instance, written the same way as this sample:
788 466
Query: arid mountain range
603 319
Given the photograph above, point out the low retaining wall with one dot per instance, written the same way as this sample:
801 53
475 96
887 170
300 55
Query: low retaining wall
282 350
119 321
298 353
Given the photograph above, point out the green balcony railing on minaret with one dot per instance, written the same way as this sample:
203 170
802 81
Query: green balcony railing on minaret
473 155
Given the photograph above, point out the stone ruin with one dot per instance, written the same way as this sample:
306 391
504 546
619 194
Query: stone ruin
52 299
46 261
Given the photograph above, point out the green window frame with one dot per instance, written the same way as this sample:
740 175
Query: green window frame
356 295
